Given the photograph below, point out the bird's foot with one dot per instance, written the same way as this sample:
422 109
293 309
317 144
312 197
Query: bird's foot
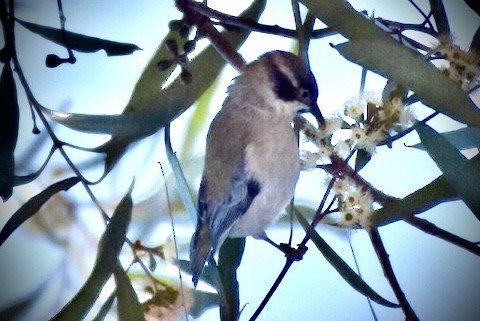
295 254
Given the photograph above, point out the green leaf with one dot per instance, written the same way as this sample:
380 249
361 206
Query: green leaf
463 138
198 120
105 308
376 50
432 194
203 301
80 42
33 205
363 157
459 172
229 258
339 264
18 309
109 248
182 184
209 273
151 108
129 308
9 117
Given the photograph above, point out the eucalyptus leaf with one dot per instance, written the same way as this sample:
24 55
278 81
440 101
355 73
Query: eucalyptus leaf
182 185
106 306
432 194
363 157
376 50
463 138
158 106
339 264
17 310
9 117
33 205
208 273
80 42
229 258
128 306
109 248
202 302
459 172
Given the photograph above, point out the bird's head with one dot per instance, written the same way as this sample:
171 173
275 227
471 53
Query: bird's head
284 83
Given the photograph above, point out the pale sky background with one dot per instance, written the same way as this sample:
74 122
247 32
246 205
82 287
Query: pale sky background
439 279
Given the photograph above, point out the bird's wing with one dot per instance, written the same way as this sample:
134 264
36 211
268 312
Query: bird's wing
216 217
222 213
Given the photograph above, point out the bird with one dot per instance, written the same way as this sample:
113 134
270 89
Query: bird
252 160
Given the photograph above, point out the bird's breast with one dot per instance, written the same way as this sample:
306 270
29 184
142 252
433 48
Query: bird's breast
272 158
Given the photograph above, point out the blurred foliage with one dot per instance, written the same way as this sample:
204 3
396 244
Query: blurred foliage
375 44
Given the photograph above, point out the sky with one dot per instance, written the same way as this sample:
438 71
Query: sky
439 279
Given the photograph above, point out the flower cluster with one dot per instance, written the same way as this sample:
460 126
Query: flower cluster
463 66
355 204
168 302
376 119
321 139
367 121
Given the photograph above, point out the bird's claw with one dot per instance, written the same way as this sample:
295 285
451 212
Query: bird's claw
295 254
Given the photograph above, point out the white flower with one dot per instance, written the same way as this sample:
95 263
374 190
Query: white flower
342 149
354 108
308 160
367 142
169 304
355 204
330 127
406 118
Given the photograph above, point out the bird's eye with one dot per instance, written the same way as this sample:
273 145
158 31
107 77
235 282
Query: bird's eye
304 94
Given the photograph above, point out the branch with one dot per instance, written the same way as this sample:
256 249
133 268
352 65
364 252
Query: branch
440 16
432 229
390 275
244 23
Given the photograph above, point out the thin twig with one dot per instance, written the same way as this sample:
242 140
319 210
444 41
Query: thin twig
63 19
248 24
425 16
174 240
432 229
407 26
440 16
206 29
406 131
390 275
272 290
374 315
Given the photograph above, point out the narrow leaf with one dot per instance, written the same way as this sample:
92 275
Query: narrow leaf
20 308
208 274
378 51
463 138
182 184
160 106
128 306
80 42
33 205
339 264
109 248
202 302
363 157
130 124
105 308
432 194
229 258
458 171
9 117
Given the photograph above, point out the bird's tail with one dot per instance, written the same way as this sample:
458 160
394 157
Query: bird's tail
200 248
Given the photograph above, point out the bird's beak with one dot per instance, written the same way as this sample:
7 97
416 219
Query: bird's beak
315 111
